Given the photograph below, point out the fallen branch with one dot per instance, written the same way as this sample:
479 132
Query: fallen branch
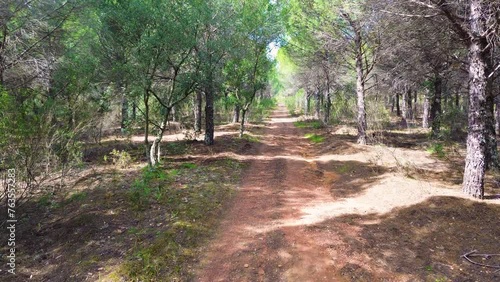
470 254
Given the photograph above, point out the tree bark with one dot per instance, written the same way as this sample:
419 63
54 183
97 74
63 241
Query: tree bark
497 114
134 111
409 104
308 103
404 109
242 124
398 109
360 93
209 115
197 111
154 152
415 100
426 110
146 126
475 160
236 114
317 97
435 115
124 119
328 107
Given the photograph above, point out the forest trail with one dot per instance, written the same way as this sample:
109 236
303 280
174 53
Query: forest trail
283 224
273 189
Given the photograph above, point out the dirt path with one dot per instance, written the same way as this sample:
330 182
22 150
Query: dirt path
251 246
286 223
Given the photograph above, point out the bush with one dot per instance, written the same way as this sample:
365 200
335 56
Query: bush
121 159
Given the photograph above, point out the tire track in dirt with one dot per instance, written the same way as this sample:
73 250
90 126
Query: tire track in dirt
272 190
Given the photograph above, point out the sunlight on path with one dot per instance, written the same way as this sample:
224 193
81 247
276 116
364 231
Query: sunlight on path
392 192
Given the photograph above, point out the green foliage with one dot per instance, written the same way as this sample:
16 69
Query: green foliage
189 165
153 181
121 159
437 149
78 196
250 138
314 138
295 103
263 108
311 123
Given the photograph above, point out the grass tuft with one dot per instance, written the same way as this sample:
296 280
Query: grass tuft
315 138
315 124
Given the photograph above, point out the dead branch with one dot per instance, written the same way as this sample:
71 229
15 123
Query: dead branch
473 253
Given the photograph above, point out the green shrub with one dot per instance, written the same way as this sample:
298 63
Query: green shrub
121 159
437 149
315 138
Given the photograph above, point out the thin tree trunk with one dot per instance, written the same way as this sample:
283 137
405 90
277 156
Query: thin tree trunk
308 103
497 114
328 108
404 109
209 115
426 110
475 160
124 119
146 126
242 124
360 92
134 111
398 109
236 114
435 116
409 105
197 111
317 97
154 152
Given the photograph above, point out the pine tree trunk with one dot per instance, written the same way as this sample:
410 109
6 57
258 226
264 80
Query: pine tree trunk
242 124
236 114
134 111
409 104
124 119
398 109
404 109
360 93
497 114
209 115
328 107
308 103
435 115
317 109
475 161
197 111
415 100
426 110
146 126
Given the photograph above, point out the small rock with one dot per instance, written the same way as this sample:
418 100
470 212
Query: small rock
246 265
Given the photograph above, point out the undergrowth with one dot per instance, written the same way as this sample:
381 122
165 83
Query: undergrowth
191 197
316 124
315 138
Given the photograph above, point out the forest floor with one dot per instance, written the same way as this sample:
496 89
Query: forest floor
291 201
